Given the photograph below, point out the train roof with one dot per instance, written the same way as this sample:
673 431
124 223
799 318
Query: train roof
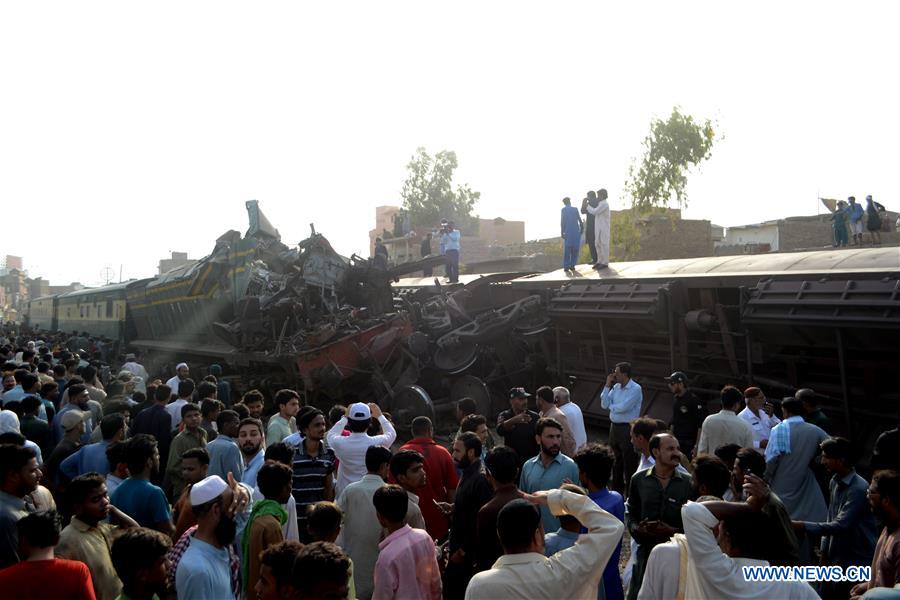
106 289
871 261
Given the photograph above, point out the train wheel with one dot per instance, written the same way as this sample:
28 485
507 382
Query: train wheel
409 402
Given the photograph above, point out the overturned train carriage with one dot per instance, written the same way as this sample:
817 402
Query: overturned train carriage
827 320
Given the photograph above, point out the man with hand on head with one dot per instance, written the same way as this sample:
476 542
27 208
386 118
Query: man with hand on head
524 572
204 570
351 450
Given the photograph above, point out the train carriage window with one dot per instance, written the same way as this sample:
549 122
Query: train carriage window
109 308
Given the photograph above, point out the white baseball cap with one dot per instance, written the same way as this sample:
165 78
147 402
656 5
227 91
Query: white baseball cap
359 411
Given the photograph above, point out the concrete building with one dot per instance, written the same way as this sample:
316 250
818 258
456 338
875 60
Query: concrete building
179 259
792 233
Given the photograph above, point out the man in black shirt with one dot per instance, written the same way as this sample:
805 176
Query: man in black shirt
473 492
687 413
425 250
516 425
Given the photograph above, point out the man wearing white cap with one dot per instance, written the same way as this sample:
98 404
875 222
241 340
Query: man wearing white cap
351 450
204 571
181 373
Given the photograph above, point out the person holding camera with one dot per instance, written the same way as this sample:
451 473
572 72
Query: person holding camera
450 243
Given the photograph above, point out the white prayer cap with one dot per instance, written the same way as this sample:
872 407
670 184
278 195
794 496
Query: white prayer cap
181 366
207 489
359 411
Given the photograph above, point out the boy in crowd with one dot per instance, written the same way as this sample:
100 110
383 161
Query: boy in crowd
89 536
283 423
266 519
192 436
569 528
136 496
194 468
139 557
406 565
276 571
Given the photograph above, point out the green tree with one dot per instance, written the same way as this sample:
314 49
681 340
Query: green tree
429 195
671 149
625 235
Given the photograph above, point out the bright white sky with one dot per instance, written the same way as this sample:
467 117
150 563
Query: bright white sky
128 130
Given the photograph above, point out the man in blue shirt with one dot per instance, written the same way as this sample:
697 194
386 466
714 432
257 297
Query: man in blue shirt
205 571
549 469
622 397
849 534
251 442
92 458
595 462
224 454
570 225
450 240
136 496
855 215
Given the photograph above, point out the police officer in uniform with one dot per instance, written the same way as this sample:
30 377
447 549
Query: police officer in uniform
688 413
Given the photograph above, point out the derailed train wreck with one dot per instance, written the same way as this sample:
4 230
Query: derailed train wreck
278 315
341 329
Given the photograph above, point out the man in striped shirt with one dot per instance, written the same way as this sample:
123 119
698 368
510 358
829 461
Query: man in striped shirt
313 468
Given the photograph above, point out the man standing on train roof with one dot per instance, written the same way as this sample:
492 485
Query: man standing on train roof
181 373
589 200
570 225
601 228
855 215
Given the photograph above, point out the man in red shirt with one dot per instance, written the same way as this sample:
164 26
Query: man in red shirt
440 473
40 575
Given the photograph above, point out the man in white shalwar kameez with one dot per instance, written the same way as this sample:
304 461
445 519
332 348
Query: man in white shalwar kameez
601 228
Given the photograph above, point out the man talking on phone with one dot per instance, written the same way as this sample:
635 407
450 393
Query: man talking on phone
759 414
622 397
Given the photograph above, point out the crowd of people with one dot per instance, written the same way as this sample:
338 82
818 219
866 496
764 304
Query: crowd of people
594 228
114 484
850 219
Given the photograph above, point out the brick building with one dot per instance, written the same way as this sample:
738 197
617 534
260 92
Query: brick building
493 236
